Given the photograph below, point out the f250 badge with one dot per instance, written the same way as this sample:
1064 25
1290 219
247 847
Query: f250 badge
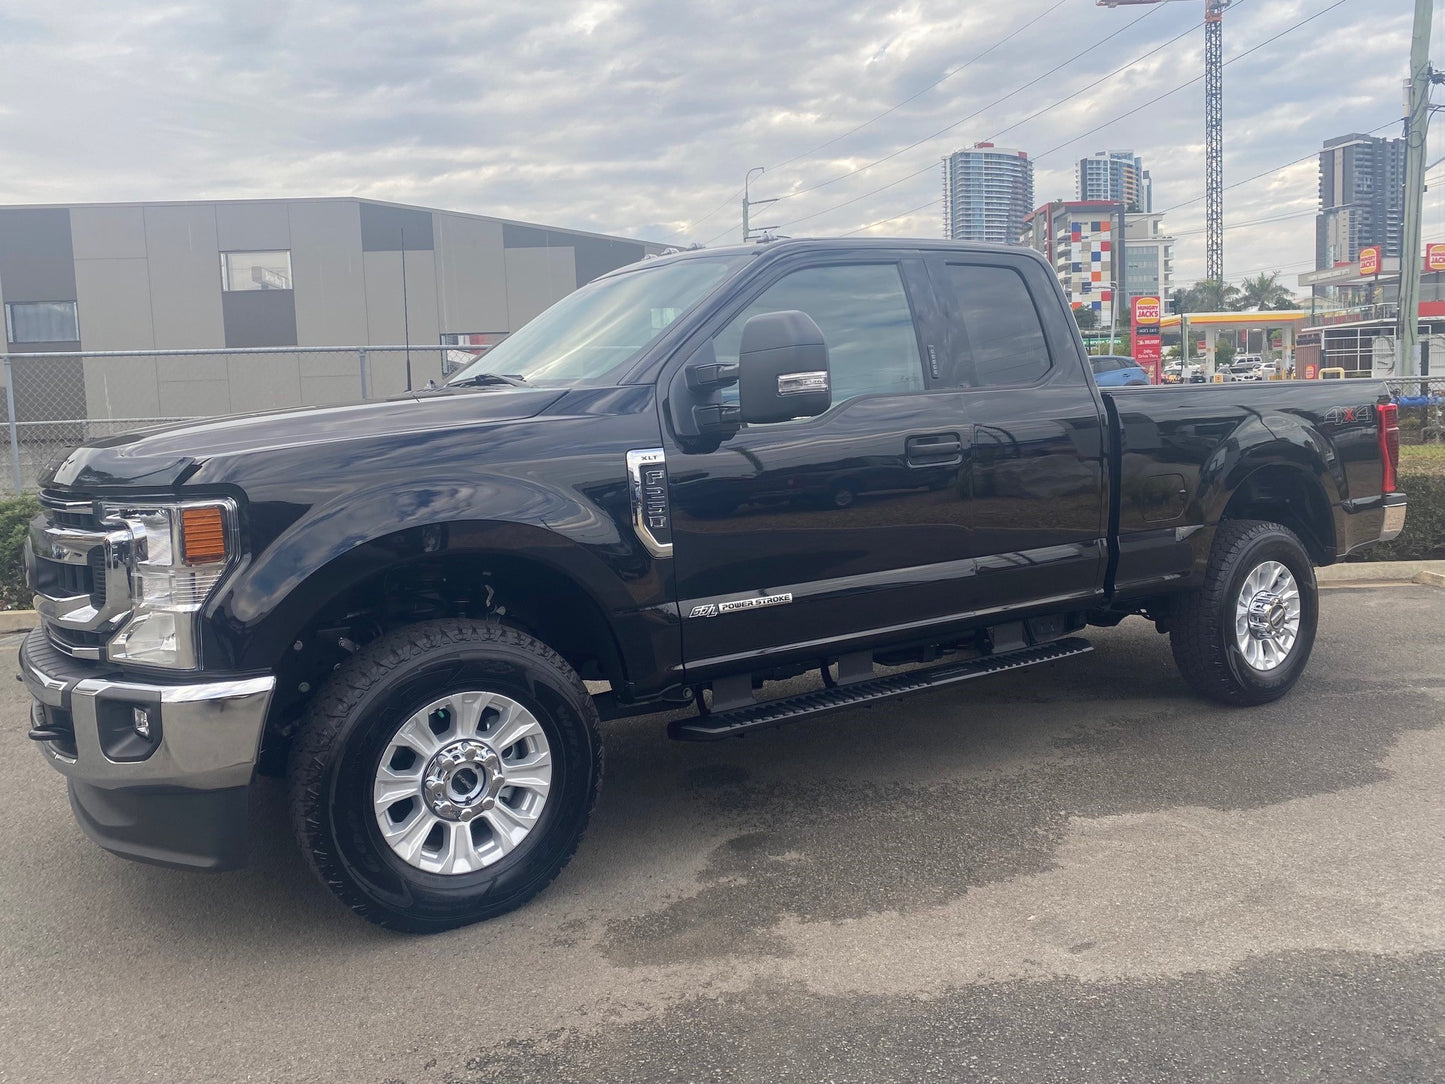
713 609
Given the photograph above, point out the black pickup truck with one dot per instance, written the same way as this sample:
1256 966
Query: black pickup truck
884 461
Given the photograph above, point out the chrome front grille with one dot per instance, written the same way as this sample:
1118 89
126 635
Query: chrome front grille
68 513
78 569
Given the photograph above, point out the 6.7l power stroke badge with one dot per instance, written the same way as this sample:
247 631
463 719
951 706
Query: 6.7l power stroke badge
713 609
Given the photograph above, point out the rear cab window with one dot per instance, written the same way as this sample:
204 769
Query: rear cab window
1002 325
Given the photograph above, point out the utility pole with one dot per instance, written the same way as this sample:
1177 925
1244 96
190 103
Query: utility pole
405 310
1407 337
749 203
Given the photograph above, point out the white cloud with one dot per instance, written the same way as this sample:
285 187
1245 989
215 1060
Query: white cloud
641 117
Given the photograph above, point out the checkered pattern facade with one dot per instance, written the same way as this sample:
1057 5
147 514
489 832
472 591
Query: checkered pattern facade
1084 241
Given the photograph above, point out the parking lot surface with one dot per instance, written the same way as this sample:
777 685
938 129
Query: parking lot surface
1075 873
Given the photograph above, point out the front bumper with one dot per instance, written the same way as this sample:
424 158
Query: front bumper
176 797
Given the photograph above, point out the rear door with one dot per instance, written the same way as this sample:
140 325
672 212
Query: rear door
1036 511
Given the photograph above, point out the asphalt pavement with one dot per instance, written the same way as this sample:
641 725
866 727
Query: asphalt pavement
1074 873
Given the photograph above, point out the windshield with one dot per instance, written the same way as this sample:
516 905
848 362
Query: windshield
604 324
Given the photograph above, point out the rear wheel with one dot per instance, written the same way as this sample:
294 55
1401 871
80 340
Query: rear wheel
1245 636
445 774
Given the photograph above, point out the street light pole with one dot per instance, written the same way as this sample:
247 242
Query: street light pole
1113 312
748 202
1407 338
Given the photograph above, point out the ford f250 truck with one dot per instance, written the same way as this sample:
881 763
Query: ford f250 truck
884 461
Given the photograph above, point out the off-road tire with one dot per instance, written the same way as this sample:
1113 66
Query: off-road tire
338 747
1202 622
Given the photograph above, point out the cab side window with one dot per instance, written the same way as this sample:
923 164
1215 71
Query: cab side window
865 318
1002 334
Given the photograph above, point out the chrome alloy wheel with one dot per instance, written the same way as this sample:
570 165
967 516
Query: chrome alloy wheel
1267 616
462 782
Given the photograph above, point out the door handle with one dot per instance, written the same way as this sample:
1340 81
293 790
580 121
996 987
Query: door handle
933 449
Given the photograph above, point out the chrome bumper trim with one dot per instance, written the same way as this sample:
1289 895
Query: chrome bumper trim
210 731
1394 522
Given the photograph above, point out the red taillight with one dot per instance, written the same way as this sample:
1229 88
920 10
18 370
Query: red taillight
1389 445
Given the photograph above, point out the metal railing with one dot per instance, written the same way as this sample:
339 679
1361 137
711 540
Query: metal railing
54 402
1422 409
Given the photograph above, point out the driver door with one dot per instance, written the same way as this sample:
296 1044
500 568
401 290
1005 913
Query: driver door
803 534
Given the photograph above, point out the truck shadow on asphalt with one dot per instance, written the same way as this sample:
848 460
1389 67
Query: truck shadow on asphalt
901 805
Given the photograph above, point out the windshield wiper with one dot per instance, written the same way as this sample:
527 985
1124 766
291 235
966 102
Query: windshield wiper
510 379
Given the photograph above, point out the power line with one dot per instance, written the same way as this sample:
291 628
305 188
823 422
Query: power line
1129 113
725 203
891 109
1198 78
971 116
1252 222
938 82
1265 173
901 214
1277 268
1096 82
930 166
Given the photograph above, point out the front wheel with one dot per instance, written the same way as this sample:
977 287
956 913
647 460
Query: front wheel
445 774
1245 636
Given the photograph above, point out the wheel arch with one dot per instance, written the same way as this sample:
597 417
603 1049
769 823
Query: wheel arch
524 576
1291 495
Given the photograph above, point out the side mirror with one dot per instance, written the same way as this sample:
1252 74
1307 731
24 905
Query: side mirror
783 368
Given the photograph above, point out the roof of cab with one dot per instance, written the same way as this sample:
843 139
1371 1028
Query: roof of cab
773 249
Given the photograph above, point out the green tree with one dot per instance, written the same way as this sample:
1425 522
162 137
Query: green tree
1086 318
1263 292
1223 353
15 516
1207 295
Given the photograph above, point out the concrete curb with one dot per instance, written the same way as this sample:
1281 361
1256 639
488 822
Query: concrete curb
1429 572
17 620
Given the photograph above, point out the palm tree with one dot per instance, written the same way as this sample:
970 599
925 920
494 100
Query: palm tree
1264 291
1208 295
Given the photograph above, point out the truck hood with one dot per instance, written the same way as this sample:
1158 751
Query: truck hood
166 456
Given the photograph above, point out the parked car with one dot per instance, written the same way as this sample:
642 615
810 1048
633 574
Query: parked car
399 604
1243 370
1116 371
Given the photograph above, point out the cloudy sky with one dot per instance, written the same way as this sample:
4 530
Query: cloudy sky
640 117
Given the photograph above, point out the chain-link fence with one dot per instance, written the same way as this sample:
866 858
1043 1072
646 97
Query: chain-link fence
1422 409
55 402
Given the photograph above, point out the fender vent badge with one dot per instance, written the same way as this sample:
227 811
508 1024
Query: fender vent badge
647 484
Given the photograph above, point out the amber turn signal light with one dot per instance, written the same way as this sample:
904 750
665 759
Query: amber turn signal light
203 536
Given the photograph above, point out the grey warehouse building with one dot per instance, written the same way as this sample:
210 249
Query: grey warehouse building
264 273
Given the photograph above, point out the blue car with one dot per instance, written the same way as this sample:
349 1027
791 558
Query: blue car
1113 371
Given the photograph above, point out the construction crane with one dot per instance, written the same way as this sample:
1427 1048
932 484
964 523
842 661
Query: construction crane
1213 127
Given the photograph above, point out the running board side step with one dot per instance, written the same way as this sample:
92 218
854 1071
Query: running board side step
773 713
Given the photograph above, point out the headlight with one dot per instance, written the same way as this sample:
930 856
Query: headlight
178 554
